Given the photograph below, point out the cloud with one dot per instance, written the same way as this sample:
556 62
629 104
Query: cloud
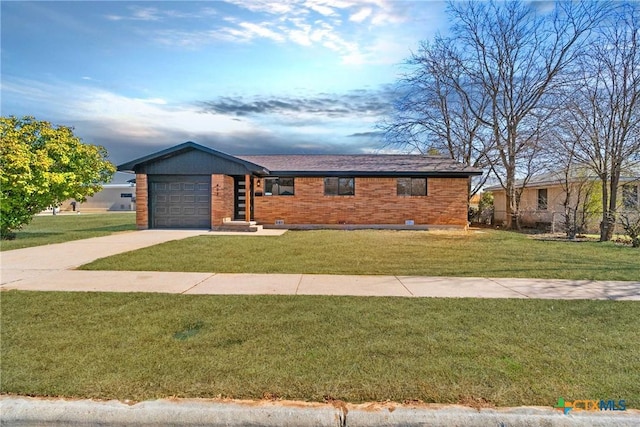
359 103
101 114
250 142
147 118
321 120
130 127
277 7
325 123
361 15
261 30
375 134
153 14
138 14
301 35
271 143
354 30
320 7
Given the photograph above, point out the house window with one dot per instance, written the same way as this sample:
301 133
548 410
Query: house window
542 199
334 186
279 186
630 196
412 186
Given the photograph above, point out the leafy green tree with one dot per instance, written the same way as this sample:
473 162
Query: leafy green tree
43 165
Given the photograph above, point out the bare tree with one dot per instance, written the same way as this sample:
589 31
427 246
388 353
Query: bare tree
482 92
576 179
431 112
517 53
630 215
606 106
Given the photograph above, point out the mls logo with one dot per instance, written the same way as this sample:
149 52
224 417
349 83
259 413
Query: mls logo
590 405
564 406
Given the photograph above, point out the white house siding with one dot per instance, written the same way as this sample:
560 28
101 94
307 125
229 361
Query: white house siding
112 197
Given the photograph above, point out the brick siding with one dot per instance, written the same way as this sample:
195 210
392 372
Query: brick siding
375 202
221 198
142 202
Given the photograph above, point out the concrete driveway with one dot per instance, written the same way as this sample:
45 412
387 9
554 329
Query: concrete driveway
51 268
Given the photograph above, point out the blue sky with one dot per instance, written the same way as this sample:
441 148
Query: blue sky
241 76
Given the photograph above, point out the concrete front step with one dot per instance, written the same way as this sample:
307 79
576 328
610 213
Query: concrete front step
241 226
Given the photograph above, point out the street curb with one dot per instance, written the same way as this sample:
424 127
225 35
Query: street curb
23 411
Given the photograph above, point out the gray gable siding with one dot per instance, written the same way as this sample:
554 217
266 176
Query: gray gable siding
193 162
190 158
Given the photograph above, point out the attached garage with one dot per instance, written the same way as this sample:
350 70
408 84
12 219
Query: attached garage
191 186
180 201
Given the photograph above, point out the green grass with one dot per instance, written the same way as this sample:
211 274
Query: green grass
147 346
489 253
48 229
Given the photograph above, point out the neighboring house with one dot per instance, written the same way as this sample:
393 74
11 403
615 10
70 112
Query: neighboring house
542 201
112 198
191 186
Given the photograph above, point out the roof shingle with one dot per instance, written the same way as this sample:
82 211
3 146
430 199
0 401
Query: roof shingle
382 164
322 165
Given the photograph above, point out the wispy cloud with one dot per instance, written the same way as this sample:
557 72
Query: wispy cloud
261 30
352 29
318 123
359 104
138 14
153 14
127 118
361 15
277 7
323 118
322 7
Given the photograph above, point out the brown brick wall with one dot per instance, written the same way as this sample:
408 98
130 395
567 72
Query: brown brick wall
375 202
142 202
221 198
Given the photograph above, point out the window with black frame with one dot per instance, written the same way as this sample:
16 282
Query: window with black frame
412 186
279 186
334 186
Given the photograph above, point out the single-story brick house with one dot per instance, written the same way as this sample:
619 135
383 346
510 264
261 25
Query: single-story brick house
192 186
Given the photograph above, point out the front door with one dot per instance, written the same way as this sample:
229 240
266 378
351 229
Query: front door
241 195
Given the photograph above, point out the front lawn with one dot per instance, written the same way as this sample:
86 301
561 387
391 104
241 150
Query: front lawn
484 253
148 346
48 229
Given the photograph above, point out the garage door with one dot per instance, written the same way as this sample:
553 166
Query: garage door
180 201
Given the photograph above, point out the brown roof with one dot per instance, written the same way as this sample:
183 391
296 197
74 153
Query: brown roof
322 165
361 164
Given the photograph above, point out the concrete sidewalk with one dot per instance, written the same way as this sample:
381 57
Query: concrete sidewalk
309 284
50 268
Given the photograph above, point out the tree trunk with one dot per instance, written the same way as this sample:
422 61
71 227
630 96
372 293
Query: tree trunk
605 224
607 227
512 214
612 214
